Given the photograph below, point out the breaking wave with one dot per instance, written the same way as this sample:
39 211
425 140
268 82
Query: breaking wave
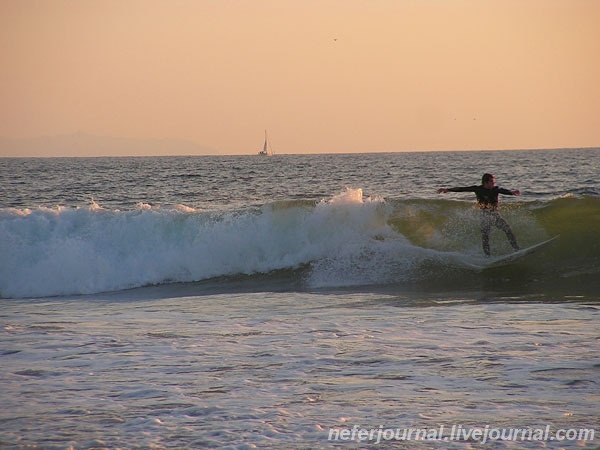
346 240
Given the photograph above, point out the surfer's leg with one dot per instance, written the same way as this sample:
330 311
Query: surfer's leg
504 226
486 225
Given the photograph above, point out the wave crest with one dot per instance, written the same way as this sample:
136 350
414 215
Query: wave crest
345 240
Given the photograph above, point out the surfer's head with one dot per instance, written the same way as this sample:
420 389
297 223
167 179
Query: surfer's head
487 180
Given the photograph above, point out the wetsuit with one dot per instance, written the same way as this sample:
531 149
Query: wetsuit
488 202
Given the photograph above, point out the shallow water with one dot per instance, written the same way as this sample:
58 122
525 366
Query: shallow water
278 370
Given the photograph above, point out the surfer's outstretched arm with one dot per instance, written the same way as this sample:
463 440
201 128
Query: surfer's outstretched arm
457 189
509 192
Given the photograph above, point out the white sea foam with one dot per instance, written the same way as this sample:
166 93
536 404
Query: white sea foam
87 250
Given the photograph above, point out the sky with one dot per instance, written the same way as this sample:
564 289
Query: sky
319 75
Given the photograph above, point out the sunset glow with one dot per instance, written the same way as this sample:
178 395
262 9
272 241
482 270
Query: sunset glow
320 75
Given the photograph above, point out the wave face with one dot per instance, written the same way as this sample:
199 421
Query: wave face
344 241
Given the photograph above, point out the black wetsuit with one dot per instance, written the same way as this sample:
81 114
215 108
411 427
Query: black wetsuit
488 202
487 198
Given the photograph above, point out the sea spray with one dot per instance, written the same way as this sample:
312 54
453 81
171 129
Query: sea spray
87 250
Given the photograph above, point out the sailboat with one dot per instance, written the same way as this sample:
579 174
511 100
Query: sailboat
267 150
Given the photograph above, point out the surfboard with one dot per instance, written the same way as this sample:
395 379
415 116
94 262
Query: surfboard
485 262
498 261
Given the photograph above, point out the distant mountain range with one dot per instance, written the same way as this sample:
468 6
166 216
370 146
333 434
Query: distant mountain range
82 144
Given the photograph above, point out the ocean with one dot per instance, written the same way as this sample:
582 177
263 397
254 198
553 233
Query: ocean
298 301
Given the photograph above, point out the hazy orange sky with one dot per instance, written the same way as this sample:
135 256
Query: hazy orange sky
320 75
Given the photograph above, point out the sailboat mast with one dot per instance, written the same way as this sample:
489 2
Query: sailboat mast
265 150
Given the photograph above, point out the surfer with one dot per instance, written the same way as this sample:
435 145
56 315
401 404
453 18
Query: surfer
487 197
